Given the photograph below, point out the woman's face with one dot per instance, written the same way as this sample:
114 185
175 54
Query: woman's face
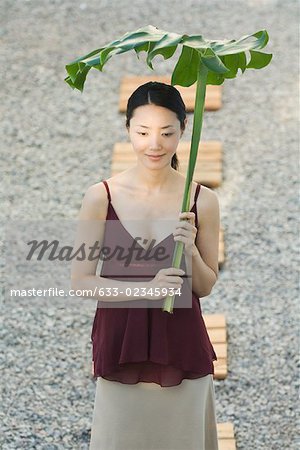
154 133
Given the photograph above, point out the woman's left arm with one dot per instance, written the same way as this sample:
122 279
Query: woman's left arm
201 246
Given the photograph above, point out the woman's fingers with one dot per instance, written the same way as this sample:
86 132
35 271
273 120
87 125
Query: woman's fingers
188 215
186 227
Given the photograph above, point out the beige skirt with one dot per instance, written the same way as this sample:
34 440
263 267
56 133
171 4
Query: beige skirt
146 416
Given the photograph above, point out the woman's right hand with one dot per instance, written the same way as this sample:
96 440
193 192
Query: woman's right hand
163 281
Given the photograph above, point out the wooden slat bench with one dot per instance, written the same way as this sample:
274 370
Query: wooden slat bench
226 438
216 328
213 98
208 169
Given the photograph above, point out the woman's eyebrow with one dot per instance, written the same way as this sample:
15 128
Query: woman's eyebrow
167 126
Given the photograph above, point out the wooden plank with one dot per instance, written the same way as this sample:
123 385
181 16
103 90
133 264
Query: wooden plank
211 179
217 335
213 98
220 349
216 329
227 444
226 439
207 149
225 430
208 169
206 166
214 320
220 369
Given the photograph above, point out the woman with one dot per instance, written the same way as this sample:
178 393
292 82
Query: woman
154 370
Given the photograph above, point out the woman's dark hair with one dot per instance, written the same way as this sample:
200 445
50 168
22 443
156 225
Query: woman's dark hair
160 94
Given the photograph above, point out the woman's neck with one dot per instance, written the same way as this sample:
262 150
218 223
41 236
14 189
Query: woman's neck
154 180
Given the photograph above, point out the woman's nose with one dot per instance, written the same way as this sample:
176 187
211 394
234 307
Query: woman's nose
155 142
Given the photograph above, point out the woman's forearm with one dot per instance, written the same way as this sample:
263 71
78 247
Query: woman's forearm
110 290
203 277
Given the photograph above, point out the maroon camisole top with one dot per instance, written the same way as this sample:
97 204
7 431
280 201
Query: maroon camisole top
147 344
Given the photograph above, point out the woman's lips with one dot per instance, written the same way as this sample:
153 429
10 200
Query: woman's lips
155 158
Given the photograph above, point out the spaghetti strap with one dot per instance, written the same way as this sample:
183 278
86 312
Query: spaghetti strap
197 192
195 203
107 189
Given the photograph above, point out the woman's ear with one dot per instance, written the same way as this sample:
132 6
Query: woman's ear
182 130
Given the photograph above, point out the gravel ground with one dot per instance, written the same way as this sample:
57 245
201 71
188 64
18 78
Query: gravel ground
56 142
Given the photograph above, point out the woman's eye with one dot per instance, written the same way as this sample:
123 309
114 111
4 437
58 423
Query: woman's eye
166 134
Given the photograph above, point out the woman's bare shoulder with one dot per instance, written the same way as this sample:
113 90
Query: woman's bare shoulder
207 193
94 202
208 203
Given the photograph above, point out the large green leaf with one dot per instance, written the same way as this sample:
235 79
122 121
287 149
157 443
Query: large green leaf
166 47
222 58
196 41
213 62
258 60
186 69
